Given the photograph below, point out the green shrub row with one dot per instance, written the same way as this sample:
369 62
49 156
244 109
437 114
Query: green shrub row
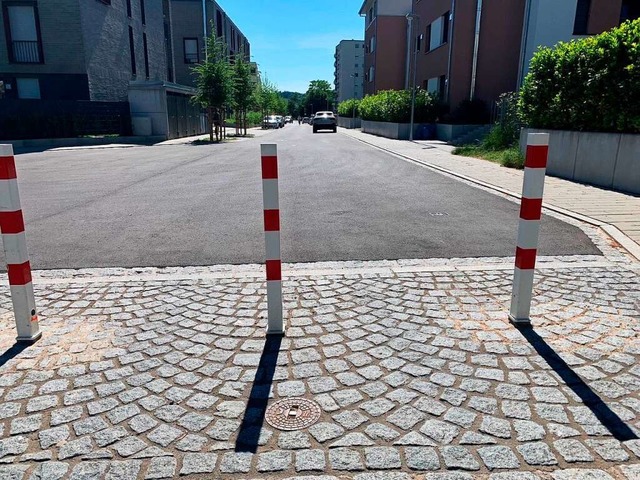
395 106
349 108
592 84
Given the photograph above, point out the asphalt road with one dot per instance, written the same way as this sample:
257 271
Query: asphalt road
202 205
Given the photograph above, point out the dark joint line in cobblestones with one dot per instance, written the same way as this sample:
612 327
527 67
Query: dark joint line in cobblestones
609 419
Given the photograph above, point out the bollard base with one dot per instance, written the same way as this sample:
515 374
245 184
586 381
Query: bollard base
276 332
29 340
520 322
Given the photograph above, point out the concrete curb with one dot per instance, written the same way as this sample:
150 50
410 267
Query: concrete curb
612 231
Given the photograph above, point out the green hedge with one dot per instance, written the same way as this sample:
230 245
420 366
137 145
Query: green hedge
592 84
395 106
349 108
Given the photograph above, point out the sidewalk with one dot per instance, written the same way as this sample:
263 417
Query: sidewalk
605 207
166 373
255 132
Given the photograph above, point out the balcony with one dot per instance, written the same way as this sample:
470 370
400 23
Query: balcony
25 51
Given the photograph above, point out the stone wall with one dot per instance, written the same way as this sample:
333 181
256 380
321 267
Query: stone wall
609 160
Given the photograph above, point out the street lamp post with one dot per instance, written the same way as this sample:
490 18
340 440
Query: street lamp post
355 94
410 17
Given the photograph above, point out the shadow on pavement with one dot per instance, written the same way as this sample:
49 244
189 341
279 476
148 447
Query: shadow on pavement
13 352
609 419
256 410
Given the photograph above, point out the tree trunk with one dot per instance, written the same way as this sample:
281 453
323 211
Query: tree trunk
210 123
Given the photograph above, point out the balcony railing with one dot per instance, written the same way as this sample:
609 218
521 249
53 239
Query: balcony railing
25 51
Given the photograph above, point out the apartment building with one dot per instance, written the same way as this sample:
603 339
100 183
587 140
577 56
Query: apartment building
473 49
385 40
548 22
469 53
349 69
80 49
188 26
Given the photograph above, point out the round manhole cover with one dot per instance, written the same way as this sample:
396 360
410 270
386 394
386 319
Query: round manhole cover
293 414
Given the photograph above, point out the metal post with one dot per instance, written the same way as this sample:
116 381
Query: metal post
269 157
15 250
413 87
529 227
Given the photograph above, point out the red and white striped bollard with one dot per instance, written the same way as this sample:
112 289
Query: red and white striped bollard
269 154
14 241
529 227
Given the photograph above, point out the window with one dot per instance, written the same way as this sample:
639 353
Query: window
446 20
143 14
630 10
191 50
28 88
437 28
22 29
218 23
419 42
427 42
129 8
442 86
371 75
581 25
132 53
146 55
438 32
372 44
433 84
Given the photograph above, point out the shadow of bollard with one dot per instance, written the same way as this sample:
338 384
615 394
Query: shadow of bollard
609 419
13 352
249 434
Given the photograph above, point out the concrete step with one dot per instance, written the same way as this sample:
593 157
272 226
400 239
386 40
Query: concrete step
474 136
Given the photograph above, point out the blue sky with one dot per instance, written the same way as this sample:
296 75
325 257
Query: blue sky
294 41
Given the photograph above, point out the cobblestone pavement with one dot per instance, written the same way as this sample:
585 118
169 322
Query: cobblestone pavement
145 374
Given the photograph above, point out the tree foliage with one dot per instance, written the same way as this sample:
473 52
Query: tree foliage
214 82
395 106
591 84
243 90
319 96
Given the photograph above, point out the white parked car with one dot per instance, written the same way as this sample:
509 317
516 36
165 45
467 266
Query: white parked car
270 121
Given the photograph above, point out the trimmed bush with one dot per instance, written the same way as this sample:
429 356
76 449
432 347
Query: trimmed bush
395 106
592 84
349 108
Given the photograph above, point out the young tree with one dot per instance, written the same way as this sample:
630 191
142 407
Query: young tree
214 84
242 91
266 96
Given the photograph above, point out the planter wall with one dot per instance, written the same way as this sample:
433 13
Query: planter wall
348 122
398 131
609 160
448 132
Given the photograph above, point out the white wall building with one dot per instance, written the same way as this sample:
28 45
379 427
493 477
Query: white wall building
349 69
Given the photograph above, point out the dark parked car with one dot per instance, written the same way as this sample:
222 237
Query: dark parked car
324 121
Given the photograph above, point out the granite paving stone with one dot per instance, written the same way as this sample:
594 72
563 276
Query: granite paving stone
421 458
413 363
498 457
